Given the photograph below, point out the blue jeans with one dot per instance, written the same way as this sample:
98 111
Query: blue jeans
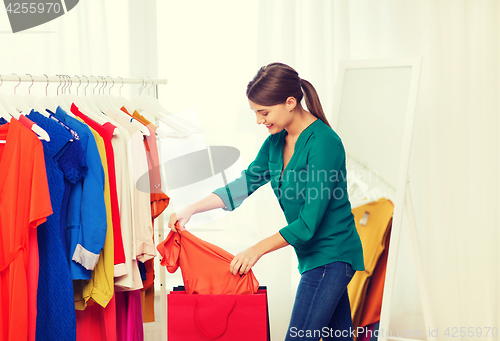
321 308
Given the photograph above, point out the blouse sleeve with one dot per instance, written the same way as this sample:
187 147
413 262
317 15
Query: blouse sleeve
93 224
323 159
256 175
170 250
40 205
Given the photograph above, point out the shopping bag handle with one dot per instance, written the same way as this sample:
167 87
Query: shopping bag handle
197 318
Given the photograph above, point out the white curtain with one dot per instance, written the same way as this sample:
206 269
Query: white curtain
98 38
454 166
60 46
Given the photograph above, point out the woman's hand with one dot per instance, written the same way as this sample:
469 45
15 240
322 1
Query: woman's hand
181 216
243 261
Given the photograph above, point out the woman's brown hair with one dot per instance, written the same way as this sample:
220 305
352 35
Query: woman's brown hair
275 82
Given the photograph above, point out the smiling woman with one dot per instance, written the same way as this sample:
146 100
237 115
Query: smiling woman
320 223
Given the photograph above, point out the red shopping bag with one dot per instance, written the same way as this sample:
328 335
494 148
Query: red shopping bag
217 317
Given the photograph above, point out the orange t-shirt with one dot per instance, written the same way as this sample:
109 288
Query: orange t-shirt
204 266
24 204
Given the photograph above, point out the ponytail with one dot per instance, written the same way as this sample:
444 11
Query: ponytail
275 82
312 101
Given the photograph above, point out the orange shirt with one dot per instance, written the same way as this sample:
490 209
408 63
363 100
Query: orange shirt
24 204
205 267
159 200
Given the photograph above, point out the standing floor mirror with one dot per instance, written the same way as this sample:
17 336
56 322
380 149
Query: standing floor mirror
374 108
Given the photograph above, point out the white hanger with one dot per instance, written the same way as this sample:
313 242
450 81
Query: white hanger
122 101
32 101
83 105
160 109
14 113
112 100
106 106
113 113
96 116
18 102
353 180
60 99
4 113
143 103
73 99
43 135
99 102
85 101
68 97
368 194
164 134
46 101
7 108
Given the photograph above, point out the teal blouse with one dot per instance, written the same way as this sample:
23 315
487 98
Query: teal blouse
312 192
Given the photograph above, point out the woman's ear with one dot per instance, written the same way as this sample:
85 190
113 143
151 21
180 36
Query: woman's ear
291 103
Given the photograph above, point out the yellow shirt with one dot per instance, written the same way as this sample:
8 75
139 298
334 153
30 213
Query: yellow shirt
101 287
371 221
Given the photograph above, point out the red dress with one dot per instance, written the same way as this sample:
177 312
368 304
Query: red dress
24 204
106 132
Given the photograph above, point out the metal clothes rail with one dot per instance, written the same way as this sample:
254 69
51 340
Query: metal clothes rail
78 78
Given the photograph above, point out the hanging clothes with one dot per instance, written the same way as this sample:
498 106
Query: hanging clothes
97 323
372 221
76 155
159 202
129 316
145 247
140 204
33 264
374 294
125 187
62 274
100 287
86 219
204 266
105 131
56 318
22 166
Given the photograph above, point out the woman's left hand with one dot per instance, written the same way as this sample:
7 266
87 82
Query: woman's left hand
243 261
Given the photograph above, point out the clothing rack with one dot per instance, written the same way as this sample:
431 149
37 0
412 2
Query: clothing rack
144 81
89 79
105 80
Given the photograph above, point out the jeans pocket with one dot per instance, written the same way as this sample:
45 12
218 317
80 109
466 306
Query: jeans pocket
349 271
